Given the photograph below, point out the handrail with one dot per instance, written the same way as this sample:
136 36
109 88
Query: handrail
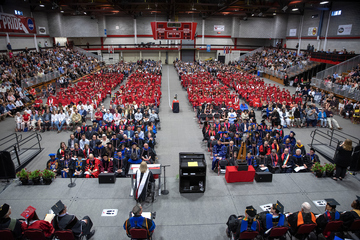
337 134
322 134
17 137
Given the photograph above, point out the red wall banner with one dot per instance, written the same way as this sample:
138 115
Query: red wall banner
15 23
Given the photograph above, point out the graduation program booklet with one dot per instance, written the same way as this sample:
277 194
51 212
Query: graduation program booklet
299 168
49 217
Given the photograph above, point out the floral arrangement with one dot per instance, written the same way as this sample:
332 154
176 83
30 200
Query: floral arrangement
35 174
47 174
23 174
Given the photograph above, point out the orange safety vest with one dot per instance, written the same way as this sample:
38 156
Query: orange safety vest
300 220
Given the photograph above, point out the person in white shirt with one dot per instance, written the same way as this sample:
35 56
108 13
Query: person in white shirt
68 116
54 118
18 120
60 120
138 115
19 103
90 109
83 141
117 117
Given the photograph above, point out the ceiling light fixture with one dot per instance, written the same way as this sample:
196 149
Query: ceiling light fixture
274 13
324 2
295 9
42 5
62 11
252 15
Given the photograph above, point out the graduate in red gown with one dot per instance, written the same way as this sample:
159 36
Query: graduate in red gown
33 222
92 168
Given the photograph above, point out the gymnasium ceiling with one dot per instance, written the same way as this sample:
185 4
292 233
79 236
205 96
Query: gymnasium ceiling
174 8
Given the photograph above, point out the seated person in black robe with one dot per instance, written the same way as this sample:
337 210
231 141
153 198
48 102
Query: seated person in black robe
305 216
14 225
298 145
349 216
134 150
312 158
300 161
99 150
147 154
143 177
106 164
63 221
120 164
237 225
287 162
330 215
274 218
273 161
78 167
53 164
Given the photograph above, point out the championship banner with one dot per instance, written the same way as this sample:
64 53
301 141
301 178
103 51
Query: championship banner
312 31
219 28
344 29
16 23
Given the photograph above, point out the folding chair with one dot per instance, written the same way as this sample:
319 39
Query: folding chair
65 235
210 118
202 119
6 234
355 226
136 233
333 226
278 232
249 235
34 234
305 230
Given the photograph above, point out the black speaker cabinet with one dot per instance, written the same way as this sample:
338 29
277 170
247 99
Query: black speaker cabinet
192 172
7 167
241 165
107 178
263 176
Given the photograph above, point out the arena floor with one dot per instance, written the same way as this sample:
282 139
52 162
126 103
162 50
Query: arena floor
179 216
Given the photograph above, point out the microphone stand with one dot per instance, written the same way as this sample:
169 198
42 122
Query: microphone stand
71 172
165 192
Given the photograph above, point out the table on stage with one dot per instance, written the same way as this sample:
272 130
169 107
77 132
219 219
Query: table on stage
233 175
154 168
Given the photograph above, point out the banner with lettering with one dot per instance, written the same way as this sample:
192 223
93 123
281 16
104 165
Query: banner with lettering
15 23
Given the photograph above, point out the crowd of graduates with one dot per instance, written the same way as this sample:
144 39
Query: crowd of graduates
219 102
121 135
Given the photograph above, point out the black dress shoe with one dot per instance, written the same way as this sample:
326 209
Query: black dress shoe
90 234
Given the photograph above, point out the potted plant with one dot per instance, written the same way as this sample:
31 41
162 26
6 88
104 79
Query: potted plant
318 170
23 175
329 169
47 176
35 177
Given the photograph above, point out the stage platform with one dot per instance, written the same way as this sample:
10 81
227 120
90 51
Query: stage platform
180 216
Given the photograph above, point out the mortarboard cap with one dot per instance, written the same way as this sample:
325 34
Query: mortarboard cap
58 207
279 207
29 212
332 202
52 155
4 209
251 211
98 143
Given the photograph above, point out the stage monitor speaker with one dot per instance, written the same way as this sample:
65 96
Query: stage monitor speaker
241 165
107 178
263 176
7 167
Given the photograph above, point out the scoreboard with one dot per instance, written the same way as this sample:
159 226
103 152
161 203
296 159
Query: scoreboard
173 30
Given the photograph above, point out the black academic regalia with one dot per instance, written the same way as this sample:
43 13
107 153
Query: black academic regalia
300 161
142 196
311 159
75 165
348 218
77 152
322 220
17 231
120 164
78 227
293 218
275 221
149 153
99 152
139 142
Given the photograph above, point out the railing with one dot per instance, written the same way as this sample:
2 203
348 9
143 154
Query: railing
31 81
242 57
29 147
342 136
342 90
301 67
7 143
331 57
333 142
339 68
88 54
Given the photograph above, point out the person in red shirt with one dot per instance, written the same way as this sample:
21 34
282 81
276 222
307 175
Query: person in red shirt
26 120
98 116
33 222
